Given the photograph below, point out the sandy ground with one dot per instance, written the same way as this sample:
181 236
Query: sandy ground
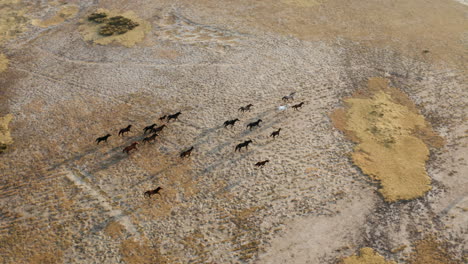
83 203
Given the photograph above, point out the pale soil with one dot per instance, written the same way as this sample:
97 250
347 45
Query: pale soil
60 192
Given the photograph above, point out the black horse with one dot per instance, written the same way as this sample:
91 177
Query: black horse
158 129
254 124
275 133
174 116
125 130
243 144
297 106
245 108
261 163
148 128
230 122
186 153
103 138
150 138
155 191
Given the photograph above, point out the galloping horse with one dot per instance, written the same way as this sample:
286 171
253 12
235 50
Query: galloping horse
261 163
155 191
130 148
230 122
254 124
103 138
125 130
243 144
186 153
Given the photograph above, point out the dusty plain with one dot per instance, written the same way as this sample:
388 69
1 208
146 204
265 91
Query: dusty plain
64 199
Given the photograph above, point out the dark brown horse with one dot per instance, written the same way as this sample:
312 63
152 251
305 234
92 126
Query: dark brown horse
155 191
245 108
261 163
133 146
297 106
230 122
148 128
158 129
103 138
254 124
125 130
150 138
186 153
275 133
174 116
163 117
244 144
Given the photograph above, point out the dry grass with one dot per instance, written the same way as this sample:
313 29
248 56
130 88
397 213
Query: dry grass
114 229
143 252
391 137
13 19
33 244
65 12
5 136
366 256
430 250
3 62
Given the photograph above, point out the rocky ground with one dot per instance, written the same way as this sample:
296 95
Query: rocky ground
65 199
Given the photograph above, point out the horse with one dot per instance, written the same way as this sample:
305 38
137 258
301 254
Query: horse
230 122
276 133
243 144
174 116
254 124
155 191
103 138
289 97
245 108
158 129
130 148
125 130
150 127
186 153
163 117
150 138
261 163
297 106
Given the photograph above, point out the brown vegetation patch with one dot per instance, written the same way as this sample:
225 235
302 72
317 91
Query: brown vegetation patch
33 244
13 19
366 256
430 250
3 62
5 136
114 229
143 252
392 139
65 12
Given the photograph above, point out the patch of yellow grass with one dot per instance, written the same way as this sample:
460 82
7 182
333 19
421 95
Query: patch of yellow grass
302 3
143 252
13 18
392 139
430 251
366 256
114 229
89 30
5 136
3 62
65 12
